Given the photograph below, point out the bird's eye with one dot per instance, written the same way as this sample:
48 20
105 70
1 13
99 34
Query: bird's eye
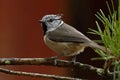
51 20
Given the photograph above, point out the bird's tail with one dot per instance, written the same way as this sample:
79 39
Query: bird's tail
95 45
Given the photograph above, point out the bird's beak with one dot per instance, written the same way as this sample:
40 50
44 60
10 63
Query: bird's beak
41 21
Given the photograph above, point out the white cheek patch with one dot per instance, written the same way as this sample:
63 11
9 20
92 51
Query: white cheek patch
61 23
54 25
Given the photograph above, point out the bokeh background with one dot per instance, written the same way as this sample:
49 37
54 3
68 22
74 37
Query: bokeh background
21 33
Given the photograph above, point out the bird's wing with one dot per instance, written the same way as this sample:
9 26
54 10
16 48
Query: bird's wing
66 33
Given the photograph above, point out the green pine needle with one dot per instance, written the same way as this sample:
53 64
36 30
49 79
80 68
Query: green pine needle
110 36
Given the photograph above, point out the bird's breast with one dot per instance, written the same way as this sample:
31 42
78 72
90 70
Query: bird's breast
64 48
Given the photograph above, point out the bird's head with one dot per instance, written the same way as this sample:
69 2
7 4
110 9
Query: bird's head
51 22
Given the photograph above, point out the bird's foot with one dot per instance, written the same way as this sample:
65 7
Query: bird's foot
74 60
54 58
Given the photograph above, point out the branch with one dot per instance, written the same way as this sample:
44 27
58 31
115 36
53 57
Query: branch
60 63
37 75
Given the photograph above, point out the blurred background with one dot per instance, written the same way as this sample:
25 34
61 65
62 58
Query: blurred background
21 33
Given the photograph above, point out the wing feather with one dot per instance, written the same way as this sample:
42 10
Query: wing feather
66 33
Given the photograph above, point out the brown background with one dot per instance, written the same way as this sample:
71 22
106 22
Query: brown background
21 34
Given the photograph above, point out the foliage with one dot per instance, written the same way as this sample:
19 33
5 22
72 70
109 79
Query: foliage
110 36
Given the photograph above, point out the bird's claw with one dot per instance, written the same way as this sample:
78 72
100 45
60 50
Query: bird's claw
55 59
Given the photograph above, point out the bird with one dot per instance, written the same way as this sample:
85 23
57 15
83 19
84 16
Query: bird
63 38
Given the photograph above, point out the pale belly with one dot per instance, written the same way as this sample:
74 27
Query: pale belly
65 49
